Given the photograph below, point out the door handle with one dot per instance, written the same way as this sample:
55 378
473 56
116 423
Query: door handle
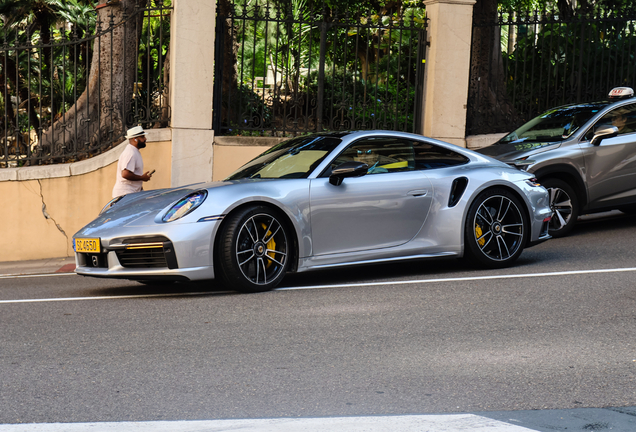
418 193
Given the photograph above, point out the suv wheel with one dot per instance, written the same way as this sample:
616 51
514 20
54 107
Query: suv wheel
564 204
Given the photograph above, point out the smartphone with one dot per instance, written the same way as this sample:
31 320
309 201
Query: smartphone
152 172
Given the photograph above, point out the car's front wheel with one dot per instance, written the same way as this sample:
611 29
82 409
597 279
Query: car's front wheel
565 205
496 229
254 249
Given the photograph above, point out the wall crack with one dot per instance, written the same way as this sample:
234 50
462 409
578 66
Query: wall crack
47 215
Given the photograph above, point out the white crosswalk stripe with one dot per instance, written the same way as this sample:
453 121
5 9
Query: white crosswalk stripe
409 423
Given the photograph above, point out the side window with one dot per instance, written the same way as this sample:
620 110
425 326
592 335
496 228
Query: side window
624 118
382 154
428 156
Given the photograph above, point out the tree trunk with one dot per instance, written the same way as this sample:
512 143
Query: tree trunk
101 114
490 110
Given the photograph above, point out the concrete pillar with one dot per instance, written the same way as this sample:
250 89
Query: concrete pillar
447 69
191 81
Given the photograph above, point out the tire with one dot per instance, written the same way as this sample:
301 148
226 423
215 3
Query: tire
564 203
496 229
253 250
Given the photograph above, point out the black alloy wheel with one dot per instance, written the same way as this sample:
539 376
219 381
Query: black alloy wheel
496 229
564 204
254 249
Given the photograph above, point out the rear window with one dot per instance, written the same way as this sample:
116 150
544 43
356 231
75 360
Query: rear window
429 156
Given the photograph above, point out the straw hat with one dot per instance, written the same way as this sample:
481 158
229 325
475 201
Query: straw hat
135 132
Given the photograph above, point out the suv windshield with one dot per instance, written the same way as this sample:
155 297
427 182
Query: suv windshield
554 125
295 158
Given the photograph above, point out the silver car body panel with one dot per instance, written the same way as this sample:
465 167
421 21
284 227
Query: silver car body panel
373 218
610 170
362 206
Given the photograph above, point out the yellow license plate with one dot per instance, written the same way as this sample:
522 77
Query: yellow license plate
88 245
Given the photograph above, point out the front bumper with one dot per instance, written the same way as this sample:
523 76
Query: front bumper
180 252
540 212
543 237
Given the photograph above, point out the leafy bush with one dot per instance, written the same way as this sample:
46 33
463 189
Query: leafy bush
353 103
245 110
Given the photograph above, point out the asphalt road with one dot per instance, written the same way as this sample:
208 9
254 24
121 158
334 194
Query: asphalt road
411 338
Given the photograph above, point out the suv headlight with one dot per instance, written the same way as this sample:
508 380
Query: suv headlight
185 205
533 182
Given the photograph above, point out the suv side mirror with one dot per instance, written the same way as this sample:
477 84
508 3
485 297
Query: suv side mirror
602 133
347 169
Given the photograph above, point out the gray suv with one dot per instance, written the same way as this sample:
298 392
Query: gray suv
584 154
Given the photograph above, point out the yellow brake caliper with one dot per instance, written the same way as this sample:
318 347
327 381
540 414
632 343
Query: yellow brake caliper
271 246
478 234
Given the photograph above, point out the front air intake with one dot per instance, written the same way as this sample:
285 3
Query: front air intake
149 257
146 253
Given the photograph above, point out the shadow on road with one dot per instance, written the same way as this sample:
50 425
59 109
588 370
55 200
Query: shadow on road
557 252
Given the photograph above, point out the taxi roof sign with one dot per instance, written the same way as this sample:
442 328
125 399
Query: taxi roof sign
621 93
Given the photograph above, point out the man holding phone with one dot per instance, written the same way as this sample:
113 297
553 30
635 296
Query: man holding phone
130 168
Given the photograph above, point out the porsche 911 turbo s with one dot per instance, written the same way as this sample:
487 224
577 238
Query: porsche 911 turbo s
320 201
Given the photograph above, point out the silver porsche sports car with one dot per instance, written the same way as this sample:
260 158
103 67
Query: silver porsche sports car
320 201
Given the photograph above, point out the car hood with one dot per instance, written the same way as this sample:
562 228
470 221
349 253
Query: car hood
515 150
144 208
142 205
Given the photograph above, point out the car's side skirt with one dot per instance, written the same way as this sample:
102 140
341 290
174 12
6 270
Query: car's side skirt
315 263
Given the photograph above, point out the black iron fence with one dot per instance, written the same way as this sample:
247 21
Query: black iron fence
547 60
282 73
71 93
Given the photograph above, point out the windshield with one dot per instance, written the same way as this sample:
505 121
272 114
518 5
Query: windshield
295 158
554 125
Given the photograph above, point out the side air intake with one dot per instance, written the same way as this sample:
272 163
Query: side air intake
457 190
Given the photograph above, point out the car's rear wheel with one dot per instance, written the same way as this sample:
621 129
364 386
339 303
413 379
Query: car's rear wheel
565 205
496 229
254 249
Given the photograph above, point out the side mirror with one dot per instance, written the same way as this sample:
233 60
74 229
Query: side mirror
347 169
604 132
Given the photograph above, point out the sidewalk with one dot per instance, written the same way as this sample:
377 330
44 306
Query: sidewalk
44 266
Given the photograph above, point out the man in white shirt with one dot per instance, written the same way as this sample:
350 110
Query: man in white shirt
130 168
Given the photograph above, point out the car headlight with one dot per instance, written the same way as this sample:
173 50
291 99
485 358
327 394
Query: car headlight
533 182
185 205
111 203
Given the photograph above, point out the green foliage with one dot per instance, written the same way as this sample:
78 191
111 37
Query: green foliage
154 43
46 57
77 12
369 61
45 70
349 103
353 103
554 63
248 114
566 8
